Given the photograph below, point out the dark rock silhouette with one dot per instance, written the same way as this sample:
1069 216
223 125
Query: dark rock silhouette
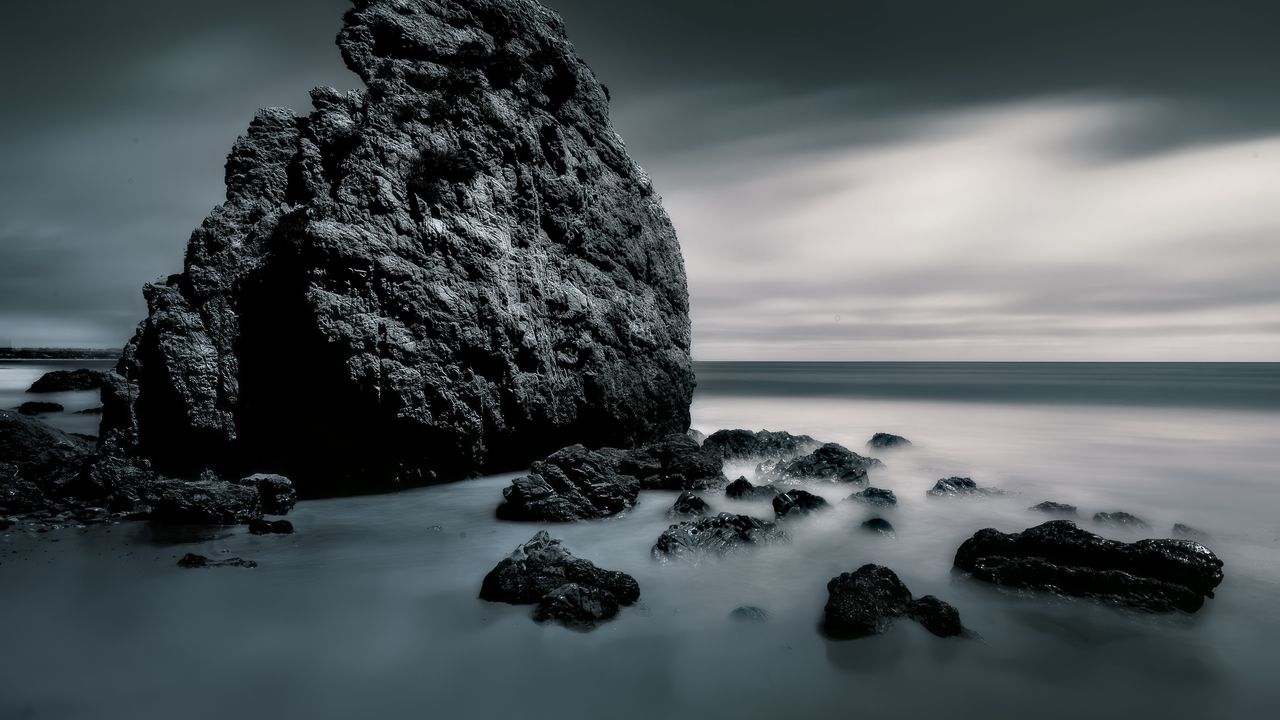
1186 532
37 465
1049 507
742 444
39 407
875 497
1121 519
67 380
270 527
868 600
750 614
881 441
794 503
577 607
831 462
1059 557
879 526
960 487
742 489
718 536
458 269
690 504
193 561
675 462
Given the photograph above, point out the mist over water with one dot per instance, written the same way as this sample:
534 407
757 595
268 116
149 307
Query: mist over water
371 609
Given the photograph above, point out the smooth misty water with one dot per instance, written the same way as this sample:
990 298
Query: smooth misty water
370 610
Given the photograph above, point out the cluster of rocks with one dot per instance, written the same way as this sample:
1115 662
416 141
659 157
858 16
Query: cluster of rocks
718 536
868 600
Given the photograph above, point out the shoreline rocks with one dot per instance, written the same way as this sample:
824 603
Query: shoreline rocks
874 497
746 445
742 489
1059 557
879 526
961 487
193 561
868 600
689 504
1049 507
884 441
794 503
1121 519
68 380
831 462
719 536
39 407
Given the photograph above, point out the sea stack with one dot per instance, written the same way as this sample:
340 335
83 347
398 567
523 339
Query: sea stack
457 269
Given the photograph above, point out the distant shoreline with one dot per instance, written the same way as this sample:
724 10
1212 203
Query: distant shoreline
59 353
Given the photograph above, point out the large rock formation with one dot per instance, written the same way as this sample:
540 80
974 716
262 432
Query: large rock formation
458 269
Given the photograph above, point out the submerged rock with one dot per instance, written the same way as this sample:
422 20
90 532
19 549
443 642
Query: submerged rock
1054 508
68 380
794 503
690 504
960 487
881 441
270 527
868 600
572 484
742 489
1121 520
1059 557
718 536
543 565
192 560
749 614
831 462
879 526
577 607
38 407
458 269
875 497
1186 532
745 444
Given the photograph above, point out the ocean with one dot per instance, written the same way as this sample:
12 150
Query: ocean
370 610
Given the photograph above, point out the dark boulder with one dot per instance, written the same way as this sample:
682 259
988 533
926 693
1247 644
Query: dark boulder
1186 532
749 614
875 497
39 407
572 484
742 489
690 504
1054 508
1059 557
794 503
881 441
961 487
544 565
1121 520
472 266
68 380
697 436
277 492
831 462
745 444
868 600
270 527
201 502
192 561
90 411
577 607
718 536
879 526
37 464
675 462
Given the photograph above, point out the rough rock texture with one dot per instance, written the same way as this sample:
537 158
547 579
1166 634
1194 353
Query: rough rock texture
572 484
270 527
960 487
1186 532
543 565
675 462
794 503
277 492
831 462
881 441
458 269
880 526
741 444
868 600
39 407
1049 507
66 380
875 497
37 463
577 607
724 534
202 502
742 489
192 560
690 504
1121 519
1058 557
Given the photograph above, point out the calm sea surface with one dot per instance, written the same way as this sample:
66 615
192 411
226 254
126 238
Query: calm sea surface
370 610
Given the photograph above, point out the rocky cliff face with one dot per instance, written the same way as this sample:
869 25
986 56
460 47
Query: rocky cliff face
456 269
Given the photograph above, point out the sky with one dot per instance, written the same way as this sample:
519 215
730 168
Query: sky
855 180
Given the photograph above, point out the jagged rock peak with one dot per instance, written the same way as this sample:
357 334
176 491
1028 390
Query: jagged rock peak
458 269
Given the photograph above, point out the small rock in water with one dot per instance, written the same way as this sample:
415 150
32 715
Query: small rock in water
690 504
868 600
876 497
831 462
38 407
749 613
90 411
718 536
277 492
1186 532
1121 520
794 503
571 484
745 444
881 441
742 489
270 527
68 380
960 487
879 525
1054 508
577 607
543 565
192 560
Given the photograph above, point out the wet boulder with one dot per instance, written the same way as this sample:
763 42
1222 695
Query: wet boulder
961 487
794 503
68 380
571 484
543 565
577 607
39 407
745 444
277 492
201 502
868 600
194 561
880 526
742 489
831 462
38 464
717 536
675 462
690 504
1059 557
1049 507
875 497
260 526
883 441
1122 520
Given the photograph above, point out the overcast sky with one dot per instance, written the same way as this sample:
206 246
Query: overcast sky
854 180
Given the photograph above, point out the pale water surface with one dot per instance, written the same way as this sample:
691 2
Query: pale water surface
370 610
